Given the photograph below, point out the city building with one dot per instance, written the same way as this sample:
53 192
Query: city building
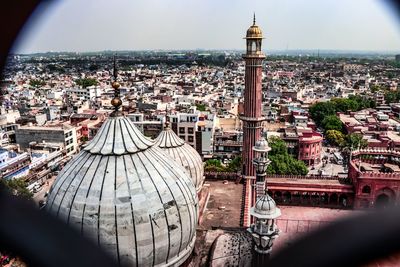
13 165
64 134
376 177
310 147
88 93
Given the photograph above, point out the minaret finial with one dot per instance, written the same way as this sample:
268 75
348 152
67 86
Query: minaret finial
116 101
115 69
166 117
254 18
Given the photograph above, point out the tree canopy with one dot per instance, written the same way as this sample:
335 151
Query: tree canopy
282 162
17 187
355 140
86 82
321 110
392 96
332 122
201 107
215 165
37 83
335 137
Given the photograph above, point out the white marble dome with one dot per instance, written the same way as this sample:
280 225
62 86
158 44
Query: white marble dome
129 197
265 208
184 154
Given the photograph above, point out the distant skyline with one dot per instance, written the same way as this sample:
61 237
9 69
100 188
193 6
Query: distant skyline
98 25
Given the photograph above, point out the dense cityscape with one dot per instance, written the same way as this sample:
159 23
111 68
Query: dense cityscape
313 132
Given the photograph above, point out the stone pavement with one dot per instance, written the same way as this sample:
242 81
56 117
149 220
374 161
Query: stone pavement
224 206
297 221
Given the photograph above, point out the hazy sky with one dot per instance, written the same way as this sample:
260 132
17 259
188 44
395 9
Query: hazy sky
95 25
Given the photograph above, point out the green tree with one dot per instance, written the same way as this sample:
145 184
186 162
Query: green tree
278 146
374 88
363 101
235 165
201 107
282 162
320 110
343 105
37 83
335 137
355 140
391 97
17 187
214 165
86 82
332 122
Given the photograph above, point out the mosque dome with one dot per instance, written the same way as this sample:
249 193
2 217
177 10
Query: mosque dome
261 145
265 208
184 154
129 197
254 32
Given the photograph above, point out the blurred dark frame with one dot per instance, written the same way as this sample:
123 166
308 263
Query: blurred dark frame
43 241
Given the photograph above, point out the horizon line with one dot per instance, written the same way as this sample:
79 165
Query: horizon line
338 51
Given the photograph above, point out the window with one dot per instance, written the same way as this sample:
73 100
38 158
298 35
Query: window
190 139
190 130
182 137
366 189
181 130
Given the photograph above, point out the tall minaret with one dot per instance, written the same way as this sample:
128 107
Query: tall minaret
252 117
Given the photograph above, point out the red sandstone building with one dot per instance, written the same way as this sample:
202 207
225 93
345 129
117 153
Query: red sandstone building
376 177
310 147
373 181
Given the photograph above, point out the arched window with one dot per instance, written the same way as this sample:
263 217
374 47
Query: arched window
253 47
366 189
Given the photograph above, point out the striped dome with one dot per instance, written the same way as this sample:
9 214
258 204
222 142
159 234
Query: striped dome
184 154
129 197
265 208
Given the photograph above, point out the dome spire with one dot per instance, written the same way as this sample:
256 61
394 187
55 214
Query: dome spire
166 117
116 101
254 18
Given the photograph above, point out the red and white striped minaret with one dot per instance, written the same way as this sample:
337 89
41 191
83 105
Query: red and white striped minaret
252 117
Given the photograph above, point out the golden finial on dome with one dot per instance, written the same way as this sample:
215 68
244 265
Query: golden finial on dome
167 122
116 102
115 85
254 32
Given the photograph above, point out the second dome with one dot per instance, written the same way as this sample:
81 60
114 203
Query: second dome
184 154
